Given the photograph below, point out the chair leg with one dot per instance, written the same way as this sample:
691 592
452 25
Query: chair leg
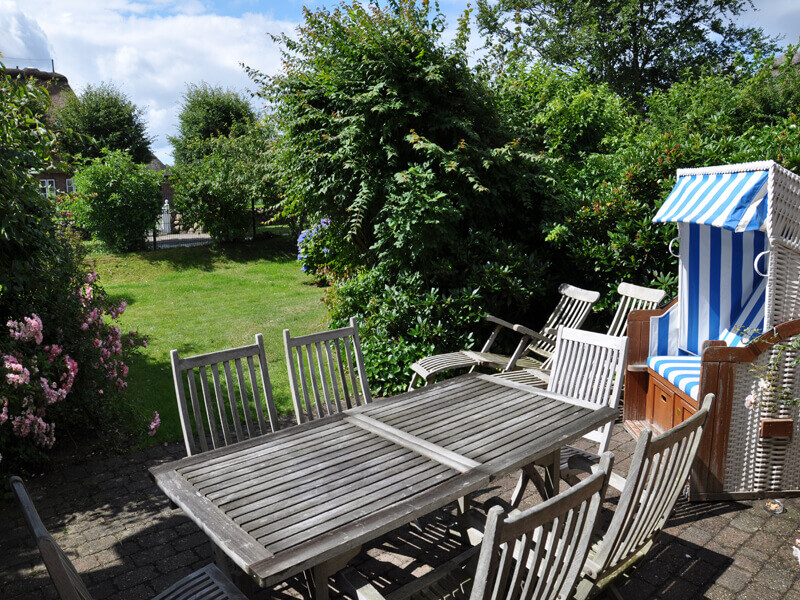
414 379
322 572
221 560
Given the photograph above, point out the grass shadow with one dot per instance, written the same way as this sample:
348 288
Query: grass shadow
275 248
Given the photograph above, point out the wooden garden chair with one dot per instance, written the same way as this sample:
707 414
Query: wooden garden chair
588 367
659 469
326 372
234 411
537 554
632 297
534 348
208 583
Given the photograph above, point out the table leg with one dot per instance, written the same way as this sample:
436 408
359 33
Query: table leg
322 572
552 481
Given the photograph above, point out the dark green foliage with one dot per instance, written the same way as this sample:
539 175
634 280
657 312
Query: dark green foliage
117 200
390 135
102 117
207 111
27 232
635 46
608 235
42 272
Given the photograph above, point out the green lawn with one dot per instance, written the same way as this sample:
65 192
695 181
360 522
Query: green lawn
203 299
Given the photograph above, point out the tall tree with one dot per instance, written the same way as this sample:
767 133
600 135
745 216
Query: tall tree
636 46
102 117
208 111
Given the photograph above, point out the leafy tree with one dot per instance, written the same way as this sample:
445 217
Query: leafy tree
118 200
220 187
208 111
388 134
608 234
28 235
636 46
102 117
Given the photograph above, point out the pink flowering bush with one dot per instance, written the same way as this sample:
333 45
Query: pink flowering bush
72 371
35 377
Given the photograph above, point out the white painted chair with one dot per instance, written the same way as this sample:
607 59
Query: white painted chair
632 297
534 348
537 554
234 411
207 583
326 372
588 367
659 470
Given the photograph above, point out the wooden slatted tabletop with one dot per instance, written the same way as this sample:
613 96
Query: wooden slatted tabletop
284 502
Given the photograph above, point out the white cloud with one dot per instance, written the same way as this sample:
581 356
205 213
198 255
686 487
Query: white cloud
150 50
22 38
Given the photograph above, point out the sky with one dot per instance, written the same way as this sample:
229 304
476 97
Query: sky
151 49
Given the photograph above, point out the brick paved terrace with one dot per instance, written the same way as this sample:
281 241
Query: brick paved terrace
127 542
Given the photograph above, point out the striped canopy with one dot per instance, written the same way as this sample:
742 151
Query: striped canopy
734 201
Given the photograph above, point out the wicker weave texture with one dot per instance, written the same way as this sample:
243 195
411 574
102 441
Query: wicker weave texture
756 464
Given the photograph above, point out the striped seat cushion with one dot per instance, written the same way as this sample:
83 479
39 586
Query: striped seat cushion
681 371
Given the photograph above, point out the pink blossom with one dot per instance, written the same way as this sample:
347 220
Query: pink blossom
53 351
91 277
17 374
750 401
29 329
84 326
154 424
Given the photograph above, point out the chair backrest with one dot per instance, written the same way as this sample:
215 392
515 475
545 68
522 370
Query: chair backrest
326 372
572 309
219 416
590 366
633 297
538 554
659 469
65 578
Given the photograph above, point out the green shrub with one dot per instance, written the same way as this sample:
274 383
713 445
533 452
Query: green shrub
228 177
118 200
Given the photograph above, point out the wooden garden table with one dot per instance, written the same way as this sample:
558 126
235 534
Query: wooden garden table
310 496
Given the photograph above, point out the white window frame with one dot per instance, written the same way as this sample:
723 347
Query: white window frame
70 183
47 187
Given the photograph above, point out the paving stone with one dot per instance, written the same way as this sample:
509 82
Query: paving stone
717 592
774 578
734 579
134 577
756 591
731 537
748 521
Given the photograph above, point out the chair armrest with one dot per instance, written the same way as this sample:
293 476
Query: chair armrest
581 463
354 583
497 321
533 334
525 330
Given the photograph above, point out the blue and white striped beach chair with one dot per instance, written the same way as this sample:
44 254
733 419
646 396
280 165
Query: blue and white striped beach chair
739 277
